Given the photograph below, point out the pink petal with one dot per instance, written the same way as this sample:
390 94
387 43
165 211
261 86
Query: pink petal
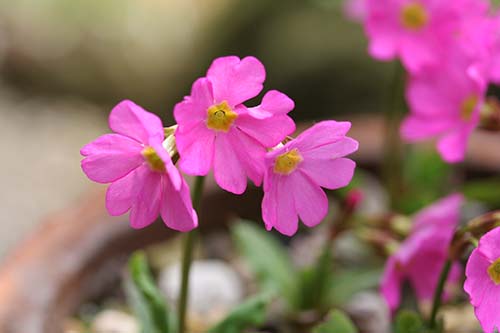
278 210
390 285
121 194
331 174
176 208
310 200
445 212
196 149
250 153
415 128
194 107
111 157
171 170
424 272
129 119
488 311
273 103
269 131
228 169
322 133
478 280
382 48
234 80
146 207
336 149
452 146
489 244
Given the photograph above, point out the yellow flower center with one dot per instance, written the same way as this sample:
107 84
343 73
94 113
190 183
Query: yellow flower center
414 16
468 107
154 161
287 162
221 117
494 271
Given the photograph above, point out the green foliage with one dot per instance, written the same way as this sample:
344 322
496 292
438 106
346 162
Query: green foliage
426 179
249 314
337 322
267 258
408 322
484 190
345 283
315 283
145 298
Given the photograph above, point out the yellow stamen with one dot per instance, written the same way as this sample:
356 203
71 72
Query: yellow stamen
221 117
468 107
287 162
494 271
414 16
154 161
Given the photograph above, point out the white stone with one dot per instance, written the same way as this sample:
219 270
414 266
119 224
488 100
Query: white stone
113 321
213 286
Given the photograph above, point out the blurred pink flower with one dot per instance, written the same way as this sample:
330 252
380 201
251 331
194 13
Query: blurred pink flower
417 31
444 104
422 255
296 172
483 280
217 131
355 10
143 178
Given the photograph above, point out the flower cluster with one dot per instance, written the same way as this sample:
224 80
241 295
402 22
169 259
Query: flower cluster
449 50
421 257
217 132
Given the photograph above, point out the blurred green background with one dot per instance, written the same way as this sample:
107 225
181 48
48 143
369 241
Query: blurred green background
65 63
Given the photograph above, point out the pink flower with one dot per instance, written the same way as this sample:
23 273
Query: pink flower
355 10
143 178
444 104
217 131
296 172
422 255
417 31
483 280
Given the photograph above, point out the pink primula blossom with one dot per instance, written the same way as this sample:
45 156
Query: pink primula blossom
143 178
217 131
416 31
444 104
297 171
483 280
421 257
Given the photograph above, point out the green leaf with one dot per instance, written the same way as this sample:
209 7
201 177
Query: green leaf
345 283
337 322
145 298
249 314
315 282
408 322
267 258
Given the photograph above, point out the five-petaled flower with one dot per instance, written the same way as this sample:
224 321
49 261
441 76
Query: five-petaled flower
483 280
143 178
296 172
421 257
217 131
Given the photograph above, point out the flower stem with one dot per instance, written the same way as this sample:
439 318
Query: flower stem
187 257
438 294
393 154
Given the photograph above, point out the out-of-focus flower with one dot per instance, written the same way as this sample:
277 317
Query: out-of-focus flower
296 172
143 178
444 104
421 257
355 10
417 31
483 280
217 131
